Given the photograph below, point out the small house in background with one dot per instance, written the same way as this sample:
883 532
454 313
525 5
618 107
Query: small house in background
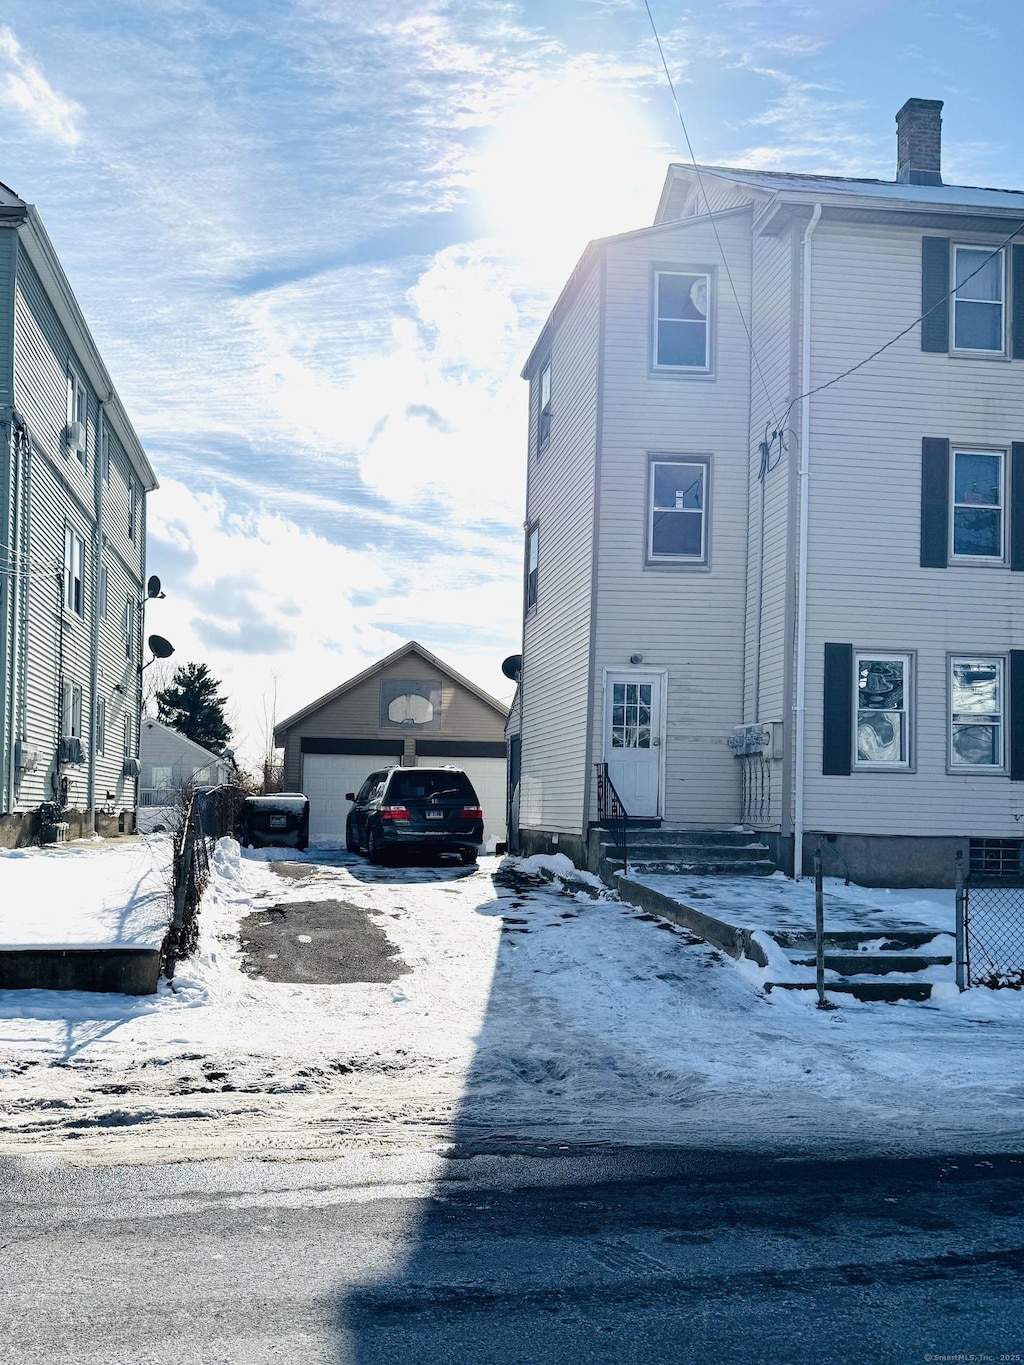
409 709
171 763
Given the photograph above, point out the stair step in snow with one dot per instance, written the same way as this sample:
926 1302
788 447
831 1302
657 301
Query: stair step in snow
645 851
886 991
735 838
897 940
874 964
699 867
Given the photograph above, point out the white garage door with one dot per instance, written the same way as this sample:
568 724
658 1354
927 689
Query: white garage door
325 780
488 778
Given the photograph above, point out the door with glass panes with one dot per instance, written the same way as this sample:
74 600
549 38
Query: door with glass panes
632 740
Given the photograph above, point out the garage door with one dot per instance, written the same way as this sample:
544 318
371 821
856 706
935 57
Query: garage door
325 780
488 777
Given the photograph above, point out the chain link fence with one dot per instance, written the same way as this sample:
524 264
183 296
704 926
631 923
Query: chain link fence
990 929
204 817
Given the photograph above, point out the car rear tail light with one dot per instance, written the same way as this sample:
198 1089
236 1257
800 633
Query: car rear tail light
394 813
471 813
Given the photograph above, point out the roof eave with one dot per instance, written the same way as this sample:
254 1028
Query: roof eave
40 251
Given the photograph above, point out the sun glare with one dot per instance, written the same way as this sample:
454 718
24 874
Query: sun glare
573 160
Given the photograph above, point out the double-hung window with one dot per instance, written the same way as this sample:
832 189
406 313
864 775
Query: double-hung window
977 504
74 571
682 318
978 303
976 702
544 406
677 529
882 717
532 560
71 709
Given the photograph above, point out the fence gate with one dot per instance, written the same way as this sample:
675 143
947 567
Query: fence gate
989 925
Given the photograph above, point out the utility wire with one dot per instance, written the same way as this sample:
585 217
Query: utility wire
707 206
956 287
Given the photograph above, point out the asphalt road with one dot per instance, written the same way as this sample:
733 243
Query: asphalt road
545 1255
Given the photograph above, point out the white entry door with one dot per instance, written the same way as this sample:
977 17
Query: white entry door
632 740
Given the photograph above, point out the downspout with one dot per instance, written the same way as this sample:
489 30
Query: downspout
801 588
94 627
9 596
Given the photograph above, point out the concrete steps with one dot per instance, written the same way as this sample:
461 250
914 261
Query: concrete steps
851 956
689 852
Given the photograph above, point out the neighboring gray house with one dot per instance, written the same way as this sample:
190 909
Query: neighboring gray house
73 485
170 762
408 709
766 582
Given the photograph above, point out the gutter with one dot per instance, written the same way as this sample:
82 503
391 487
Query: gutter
801 591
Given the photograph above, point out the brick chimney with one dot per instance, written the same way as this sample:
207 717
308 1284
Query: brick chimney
919 143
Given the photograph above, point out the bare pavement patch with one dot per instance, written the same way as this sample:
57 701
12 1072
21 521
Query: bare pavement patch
319 943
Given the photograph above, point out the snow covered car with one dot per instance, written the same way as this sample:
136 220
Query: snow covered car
281 820
415 809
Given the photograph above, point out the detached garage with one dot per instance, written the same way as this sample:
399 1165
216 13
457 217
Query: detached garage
410 709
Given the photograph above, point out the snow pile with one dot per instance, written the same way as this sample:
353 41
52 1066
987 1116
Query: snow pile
556 866
86 895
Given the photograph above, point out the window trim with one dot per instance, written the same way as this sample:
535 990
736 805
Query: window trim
71 720
707 370
984 769
982 352
653 561
74 603
78 411
543 408
531 576
908 660
995 451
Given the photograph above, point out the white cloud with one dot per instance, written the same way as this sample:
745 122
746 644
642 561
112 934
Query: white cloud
26 92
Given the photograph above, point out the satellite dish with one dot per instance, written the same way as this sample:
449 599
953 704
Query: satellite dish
153 587
512 667
160 648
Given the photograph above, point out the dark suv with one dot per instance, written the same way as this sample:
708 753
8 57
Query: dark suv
403 808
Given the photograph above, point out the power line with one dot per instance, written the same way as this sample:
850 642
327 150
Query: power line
707 206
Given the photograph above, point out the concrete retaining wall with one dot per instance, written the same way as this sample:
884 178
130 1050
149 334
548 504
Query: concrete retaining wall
123 971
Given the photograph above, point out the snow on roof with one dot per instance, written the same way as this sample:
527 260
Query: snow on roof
961 196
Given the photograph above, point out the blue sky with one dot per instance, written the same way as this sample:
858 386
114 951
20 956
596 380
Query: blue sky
315 240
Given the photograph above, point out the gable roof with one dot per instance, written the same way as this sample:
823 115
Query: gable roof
413 647
151 723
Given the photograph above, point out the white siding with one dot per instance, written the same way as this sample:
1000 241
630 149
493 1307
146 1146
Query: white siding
866 585
556 635
686 620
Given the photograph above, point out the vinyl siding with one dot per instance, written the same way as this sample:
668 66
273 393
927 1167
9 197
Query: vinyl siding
865 583
685 620
63 492
556 634
356 715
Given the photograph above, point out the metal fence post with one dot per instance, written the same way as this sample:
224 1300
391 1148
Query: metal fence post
961 924
819 929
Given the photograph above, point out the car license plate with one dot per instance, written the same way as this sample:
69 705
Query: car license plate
278 821
435 814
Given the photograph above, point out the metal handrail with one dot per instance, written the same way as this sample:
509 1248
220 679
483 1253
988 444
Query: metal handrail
611 812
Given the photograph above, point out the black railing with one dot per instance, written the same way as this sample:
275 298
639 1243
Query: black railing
612 814
206 816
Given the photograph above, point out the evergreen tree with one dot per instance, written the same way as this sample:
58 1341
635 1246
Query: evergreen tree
192 705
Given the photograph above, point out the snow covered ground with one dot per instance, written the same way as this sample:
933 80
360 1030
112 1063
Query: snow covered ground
86 894
525 1007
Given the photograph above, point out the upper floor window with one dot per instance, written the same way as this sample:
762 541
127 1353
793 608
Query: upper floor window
682 309
544 406
677 511
74 571
71 710
978 501
976 713
883 738
532 560
979 280
78 417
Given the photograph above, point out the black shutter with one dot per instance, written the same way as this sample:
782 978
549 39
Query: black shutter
934 502
1017 506
1017 296
837 730
1016 716
935 286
